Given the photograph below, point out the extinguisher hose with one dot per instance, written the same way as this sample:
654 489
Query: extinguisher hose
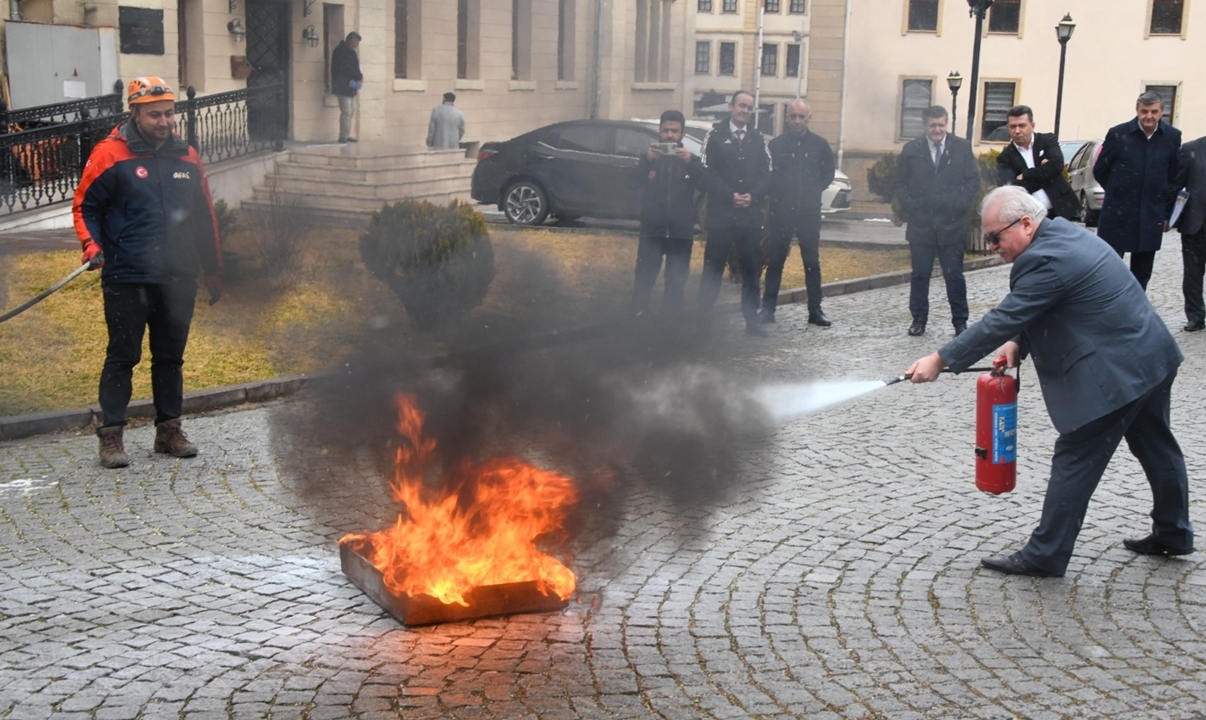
901 378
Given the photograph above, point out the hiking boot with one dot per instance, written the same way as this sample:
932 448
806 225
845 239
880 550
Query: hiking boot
112 451
170 438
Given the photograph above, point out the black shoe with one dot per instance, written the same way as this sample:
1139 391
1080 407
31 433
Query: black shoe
818 318
1195 325
343 140
768 318
917 328
1015 564
755 330
351 139
1151 546
959 328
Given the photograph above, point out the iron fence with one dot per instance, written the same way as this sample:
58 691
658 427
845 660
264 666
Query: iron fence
43 150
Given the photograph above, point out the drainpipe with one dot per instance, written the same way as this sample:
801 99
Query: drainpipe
14 9
845 75
758 72
598 72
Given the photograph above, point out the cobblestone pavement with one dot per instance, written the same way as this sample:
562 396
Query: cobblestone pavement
840 579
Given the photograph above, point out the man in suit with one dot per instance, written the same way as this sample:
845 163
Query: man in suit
346 79
1035 162
738 166
936 183
1137 165
1106 364
801 168
446 126
1192 224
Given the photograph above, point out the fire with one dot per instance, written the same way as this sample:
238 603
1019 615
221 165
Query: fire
482 530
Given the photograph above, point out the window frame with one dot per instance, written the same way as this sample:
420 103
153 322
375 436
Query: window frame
720 59
777 9
1017 31
770 50
1170 106
982 119
901 110
906 29
790 69
703 6
1151 16
726 4
792 4
707 46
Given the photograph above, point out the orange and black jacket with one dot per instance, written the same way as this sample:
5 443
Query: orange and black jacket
149 210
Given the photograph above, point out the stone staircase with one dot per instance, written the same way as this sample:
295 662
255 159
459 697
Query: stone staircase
344 184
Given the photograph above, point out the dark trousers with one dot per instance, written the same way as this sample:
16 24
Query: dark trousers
1141 265
650 252
808 235
129 309
950 256
1080 459
716 253
1193 256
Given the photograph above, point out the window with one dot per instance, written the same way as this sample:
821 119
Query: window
703 58
400 38
468 22
764 119
1167 93
915 95
770 60
729 6
923 15
521 39
585 138
771 6
797 7
792 66
728 58
632 143
566 45
705 6
1004 16
652 62
998 98
1167 16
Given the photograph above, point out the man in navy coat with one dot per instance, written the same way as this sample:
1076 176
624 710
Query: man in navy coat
1137 164
1106 364
1192 225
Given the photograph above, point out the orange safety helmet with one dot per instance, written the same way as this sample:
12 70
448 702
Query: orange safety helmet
149 88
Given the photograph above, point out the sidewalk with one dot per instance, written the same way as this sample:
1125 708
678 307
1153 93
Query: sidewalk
838 578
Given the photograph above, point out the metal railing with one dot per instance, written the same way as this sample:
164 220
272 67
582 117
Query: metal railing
43 150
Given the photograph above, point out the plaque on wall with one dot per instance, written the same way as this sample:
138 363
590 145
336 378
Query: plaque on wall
141 30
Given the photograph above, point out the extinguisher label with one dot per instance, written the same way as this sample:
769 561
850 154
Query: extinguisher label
1004 433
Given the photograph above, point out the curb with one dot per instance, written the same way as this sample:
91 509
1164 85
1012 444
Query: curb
41 423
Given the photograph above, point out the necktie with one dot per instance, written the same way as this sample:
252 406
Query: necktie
937 153
740 135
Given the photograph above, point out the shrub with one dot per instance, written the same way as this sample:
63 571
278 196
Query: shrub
437 260
228 219
881 179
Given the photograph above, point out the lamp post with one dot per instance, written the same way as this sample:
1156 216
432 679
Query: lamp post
954 81
799 37
1063 32
979 8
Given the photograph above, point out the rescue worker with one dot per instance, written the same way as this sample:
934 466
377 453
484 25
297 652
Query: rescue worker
144 215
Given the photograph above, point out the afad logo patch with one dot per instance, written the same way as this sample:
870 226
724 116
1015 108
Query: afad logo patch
141 172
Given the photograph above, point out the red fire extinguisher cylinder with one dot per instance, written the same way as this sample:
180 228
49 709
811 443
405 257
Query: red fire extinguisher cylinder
996 430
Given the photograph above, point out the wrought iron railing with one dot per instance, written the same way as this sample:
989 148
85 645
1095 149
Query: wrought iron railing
43 150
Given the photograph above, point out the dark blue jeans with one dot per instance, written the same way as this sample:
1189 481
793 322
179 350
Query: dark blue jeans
167 310
716 253
650 251
950 257
808 233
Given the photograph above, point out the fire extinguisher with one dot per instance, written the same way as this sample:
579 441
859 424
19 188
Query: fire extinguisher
996 430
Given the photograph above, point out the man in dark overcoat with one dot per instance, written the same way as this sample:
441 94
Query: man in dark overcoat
936 183
346 79
1192 225
1137 165
801 168
1105 362
1035 162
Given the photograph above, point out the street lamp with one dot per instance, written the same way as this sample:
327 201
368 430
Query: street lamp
1063 32
799 37
979 8
954 81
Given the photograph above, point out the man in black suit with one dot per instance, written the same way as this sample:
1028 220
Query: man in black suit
1106 365
1035 162
936 183
738 167
1192 224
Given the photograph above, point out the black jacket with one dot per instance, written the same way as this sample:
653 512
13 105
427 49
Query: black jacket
1048 176
936 200
345 67
1192 177
1136 174
801 168
732 169
668 201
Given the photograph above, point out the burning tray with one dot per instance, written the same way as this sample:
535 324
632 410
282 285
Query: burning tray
484 601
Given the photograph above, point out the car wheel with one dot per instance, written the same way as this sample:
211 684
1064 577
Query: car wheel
1088 215
525 203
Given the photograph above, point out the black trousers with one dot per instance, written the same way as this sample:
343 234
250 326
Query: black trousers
1141 265
808 235
716 253
650 251
167 310
1193 256
1080 459
950 256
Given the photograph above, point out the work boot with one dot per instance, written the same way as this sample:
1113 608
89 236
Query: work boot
112 451
170 438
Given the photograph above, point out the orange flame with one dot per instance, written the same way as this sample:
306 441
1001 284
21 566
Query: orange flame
481 531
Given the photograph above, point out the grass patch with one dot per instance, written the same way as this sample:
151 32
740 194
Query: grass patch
51 355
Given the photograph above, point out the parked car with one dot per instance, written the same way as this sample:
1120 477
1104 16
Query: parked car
581 168
1080 177
1069 148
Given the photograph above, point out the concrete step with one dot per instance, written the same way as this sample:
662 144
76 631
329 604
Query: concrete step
380 158
372 176
345 190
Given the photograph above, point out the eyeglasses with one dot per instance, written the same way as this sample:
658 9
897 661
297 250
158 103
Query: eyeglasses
153 90
994 238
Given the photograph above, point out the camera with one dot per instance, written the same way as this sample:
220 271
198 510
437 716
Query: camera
666 147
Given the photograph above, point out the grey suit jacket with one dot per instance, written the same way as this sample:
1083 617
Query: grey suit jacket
1096 341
